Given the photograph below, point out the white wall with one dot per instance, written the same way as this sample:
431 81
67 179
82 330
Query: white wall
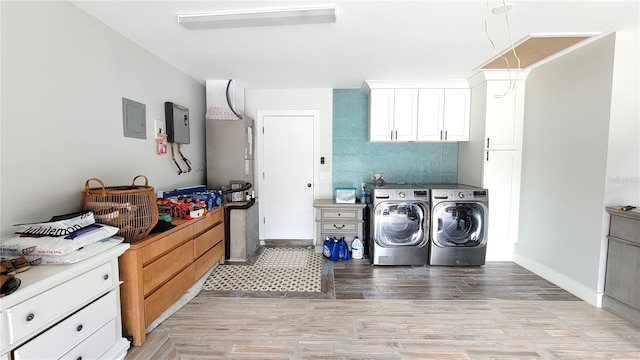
622 185
63 78
574 107
301 99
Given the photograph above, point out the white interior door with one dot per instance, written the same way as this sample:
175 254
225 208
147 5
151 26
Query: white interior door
287 175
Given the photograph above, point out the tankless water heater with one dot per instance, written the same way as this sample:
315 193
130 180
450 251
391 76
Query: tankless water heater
177 118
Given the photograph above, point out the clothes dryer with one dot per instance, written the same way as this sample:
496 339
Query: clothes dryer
399 231
459 225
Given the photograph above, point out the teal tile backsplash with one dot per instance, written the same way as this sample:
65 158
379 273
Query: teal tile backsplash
355 159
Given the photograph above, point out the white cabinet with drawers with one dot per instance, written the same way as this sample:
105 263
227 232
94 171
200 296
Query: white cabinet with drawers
65 311
339 220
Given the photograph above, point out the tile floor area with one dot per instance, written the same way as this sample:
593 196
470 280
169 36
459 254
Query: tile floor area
496 311
275 270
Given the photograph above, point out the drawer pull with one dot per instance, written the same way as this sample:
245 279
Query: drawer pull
79 328
79 358
30 317
106 276
338 227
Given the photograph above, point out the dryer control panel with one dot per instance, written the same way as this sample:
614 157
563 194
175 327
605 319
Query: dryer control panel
457 194
401 194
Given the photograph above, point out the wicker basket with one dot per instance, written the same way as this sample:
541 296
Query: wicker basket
132 208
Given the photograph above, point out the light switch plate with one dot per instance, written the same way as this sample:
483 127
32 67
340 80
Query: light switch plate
160 126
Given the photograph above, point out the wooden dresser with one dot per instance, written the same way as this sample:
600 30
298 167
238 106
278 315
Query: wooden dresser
159 269
622 283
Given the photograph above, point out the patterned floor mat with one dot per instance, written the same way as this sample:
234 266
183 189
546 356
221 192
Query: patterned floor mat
277 269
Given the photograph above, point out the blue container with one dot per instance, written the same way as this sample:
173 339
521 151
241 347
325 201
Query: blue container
343 249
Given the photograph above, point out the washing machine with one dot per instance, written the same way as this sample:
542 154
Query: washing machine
459 216
399 225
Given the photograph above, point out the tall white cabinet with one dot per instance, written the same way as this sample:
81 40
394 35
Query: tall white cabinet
493 156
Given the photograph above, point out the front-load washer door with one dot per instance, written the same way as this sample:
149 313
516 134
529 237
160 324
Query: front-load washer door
401 223
459 224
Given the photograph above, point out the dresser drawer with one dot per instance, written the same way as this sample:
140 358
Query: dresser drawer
161 270
165 244
625 228
206 261
334 226
206 241
167 294
345 214
214 218
63 337
96 344
38 312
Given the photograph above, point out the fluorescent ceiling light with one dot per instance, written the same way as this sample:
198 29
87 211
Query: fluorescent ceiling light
221 20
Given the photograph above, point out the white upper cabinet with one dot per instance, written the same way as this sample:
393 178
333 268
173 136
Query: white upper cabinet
393 114
418 111
430 114
443 114
504 116
405 114
381 107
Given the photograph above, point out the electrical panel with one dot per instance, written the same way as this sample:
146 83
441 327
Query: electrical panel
177 119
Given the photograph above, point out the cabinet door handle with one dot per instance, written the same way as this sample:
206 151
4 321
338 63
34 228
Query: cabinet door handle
338 227
487 155
445 134
440 134
31 316
487 143
79 328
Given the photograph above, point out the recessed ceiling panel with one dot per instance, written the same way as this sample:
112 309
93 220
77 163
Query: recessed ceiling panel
532 50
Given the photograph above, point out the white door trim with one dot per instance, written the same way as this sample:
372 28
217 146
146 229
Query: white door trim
259 154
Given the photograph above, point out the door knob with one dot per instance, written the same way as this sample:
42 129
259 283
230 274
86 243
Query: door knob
308 184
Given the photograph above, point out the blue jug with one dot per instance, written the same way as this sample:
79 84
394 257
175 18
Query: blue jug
343 249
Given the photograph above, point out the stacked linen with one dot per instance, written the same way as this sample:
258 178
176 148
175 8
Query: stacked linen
64 239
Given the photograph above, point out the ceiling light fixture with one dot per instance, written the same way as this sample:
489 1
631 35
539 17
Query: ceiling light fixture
221 20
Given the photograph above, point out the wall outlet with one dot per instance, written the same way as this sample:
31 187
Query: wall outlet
378 175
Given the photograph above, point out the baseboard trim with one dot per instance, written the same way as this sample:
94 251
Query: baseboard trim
578 289
287 242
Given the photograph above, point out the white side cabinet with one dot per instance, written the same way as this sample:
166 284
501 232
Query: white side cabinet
443 114
65 311
393 114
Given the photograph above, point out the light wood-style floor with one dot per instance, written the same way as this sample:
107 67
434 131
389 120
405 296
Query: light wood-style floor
495 311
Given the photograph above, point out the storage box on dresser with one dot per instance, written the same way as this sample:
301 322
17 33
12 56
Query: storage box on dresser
338 220
159 269
622 283
65 311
